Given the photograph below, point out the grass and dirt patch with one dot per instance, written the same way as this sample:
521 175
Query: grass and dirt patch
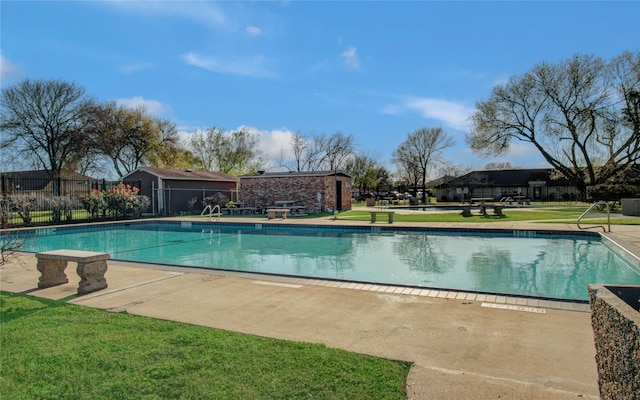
54 350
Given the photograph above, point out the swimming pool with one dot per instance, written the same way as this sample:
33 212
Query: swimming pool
523 263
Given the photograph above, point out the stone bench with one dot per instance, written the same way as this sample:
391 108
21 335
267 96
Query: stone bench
272 212
91 268
389 215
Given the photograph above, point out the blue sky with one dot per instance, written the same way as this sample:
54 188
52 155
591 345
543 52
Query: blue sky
377 70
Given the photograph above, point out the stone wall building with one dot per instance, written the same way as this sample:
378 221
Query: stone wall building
317 191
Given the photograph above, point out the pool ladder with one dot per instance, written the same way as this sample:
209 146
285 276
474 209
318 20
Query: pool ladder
211 211
597 204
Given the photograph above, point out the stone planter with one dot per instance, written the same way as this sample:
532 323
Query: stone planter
616 327
630 207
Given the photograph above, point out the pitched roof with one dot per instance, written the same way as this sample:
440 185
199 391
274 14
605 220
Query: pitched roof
186 174
42 174
506 177
37 179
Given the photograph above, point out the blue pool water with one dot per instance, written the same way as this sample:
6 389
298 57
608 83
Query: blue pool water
539 265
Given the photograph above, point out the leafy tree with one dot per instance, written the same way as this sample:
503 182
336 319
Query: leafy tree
234 152
384 180
168 153
365 171
418 152
624 184
175 157
238 154
130 137
580 114
45 120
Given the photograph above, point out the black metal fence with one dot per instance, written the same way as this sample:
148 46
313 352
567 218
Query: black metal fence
26 201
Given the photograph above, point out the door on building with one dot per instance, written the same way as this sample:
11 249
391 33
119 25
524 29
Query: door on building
339 195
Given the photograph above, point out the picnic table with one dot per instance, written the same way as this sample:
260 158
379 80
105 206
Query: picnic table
481 200
239 210
289 205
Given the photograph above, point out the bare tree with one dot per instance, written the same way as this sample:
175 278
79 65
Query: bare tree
44 119
447 169
321 152
338 148
581 115
299 145
203 146
498 166
419 152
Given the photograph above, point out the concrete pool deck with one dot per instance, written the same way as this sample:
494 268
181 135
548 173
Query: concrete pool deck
462 346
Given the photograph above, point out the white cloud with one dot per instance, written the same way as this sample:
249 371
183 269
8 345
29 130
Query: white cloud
8 70
350 58
454 115
204 13
273 143
253 31
131 68
391 109
248 66
184 137
152 106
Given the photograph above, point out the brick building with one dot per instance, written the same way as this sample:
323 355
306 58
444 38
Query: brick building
317 191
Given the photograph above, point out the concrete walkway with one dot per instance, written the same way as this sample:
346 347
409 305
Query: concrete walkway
462 347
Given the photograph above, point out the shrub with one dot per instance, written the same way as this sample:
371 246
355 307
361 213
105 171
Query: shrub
23 205
120 202
94 203
58 206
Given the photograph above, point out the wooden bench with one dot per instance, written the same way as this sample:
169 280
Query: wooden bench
91 268
272 212
389 215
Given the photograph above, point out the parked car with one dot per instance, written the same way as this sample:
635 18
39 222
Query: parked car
363 196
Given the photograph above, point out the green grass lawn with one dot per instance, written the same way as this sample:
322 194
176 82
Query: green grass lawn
560 215
54 350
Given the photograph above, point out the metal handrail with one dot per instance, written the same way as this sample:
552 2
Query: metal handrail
211 211
597 203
